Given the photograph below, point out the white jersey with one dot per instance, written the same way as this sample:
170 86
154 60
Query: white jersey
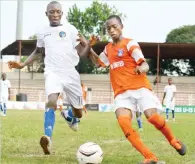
59 42
169 90
4 88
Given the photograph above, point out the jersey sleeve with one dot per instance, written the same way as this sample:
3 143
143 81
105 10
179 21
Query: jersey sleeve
103 59
135 51
40 41
74 35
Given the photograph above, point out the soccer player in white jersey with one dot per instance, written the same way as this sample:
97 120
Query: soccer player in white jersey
4 93
169 98
62 51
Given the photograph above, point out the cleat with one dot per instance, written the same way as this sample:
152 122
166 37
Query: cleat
140 129
152 160
73 122
179 146
149 162
45 143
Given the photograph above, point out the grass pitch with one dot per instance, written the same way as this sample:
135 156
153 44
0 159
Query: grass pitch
21 131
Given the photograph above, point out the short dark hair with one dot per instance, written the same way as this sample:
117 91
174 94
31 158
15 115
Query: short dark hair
115 16
53 2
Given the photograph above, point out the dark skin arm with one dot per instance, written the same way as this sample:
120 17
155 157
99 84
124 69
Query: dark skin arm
9 93
90 53
83 49
34 56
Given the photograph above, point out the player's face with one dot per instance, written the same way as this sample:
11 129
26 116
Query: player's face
170 81
3 76
114 29
54 14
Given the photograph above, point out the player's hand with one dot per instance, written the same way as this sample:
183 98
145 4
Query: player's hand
14 64
9 98
82 40
138 70
93 40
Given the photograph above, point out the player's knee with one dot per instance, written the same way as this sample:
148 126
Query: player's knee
78 113
51 104
157 120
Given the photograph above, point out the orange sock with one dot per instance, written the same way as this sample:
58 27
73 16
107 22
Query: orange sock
133 137
159 122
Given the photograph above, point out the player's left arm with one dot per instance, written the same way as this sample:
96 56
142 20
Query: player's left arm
9 90
135 51
83 48
174 93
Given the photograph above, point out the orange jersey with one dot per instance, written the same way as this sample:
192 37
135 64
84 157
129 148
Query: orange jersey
123 58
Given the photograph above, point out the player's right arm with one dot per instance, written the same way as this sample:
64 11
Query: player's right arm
164 95
33 56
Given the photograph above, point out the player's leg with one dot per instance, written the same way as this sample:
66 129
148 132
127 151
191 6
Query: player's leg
49 121
173 114
53 87
74 95
139 120
150 105
124 116
173 110
5 105
5 108
167 114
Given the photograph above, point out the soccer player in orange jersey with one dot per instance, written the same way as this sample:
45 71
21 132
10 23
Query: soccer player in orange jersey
131 87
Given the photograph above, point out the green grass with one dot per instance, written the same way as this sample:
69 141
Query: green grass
21 131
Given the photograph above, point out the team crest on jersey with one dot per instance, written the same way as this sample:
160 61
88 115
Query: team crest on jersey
120 52
62 34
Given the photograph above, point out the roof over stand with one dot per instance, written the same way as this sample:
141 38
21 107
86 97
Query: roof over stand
150 50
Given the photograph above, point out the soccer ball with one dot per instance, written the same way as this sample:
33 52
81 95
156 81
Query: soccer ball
89 152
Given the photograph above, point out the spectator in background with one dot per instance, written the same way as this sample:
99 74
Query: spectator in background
169 97
4 94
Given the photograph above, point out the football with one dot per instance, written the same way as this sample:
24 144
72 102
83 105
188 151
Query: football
89 152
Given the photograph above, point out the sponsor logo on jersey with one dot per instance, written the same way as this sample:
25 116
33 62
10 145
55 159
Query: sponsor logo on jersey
117 64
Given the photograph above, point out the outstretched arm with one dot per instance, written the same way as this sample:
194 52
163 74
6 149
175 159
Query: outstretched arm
34 55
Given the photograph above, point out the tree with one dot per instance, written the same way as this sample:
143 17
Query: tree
91 21
185 34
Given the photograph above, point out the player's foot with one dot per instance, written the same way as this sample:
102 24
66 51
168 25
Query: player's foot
173 120
140 129
179 146
2 114
153 160
73 122
167 120
45 143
